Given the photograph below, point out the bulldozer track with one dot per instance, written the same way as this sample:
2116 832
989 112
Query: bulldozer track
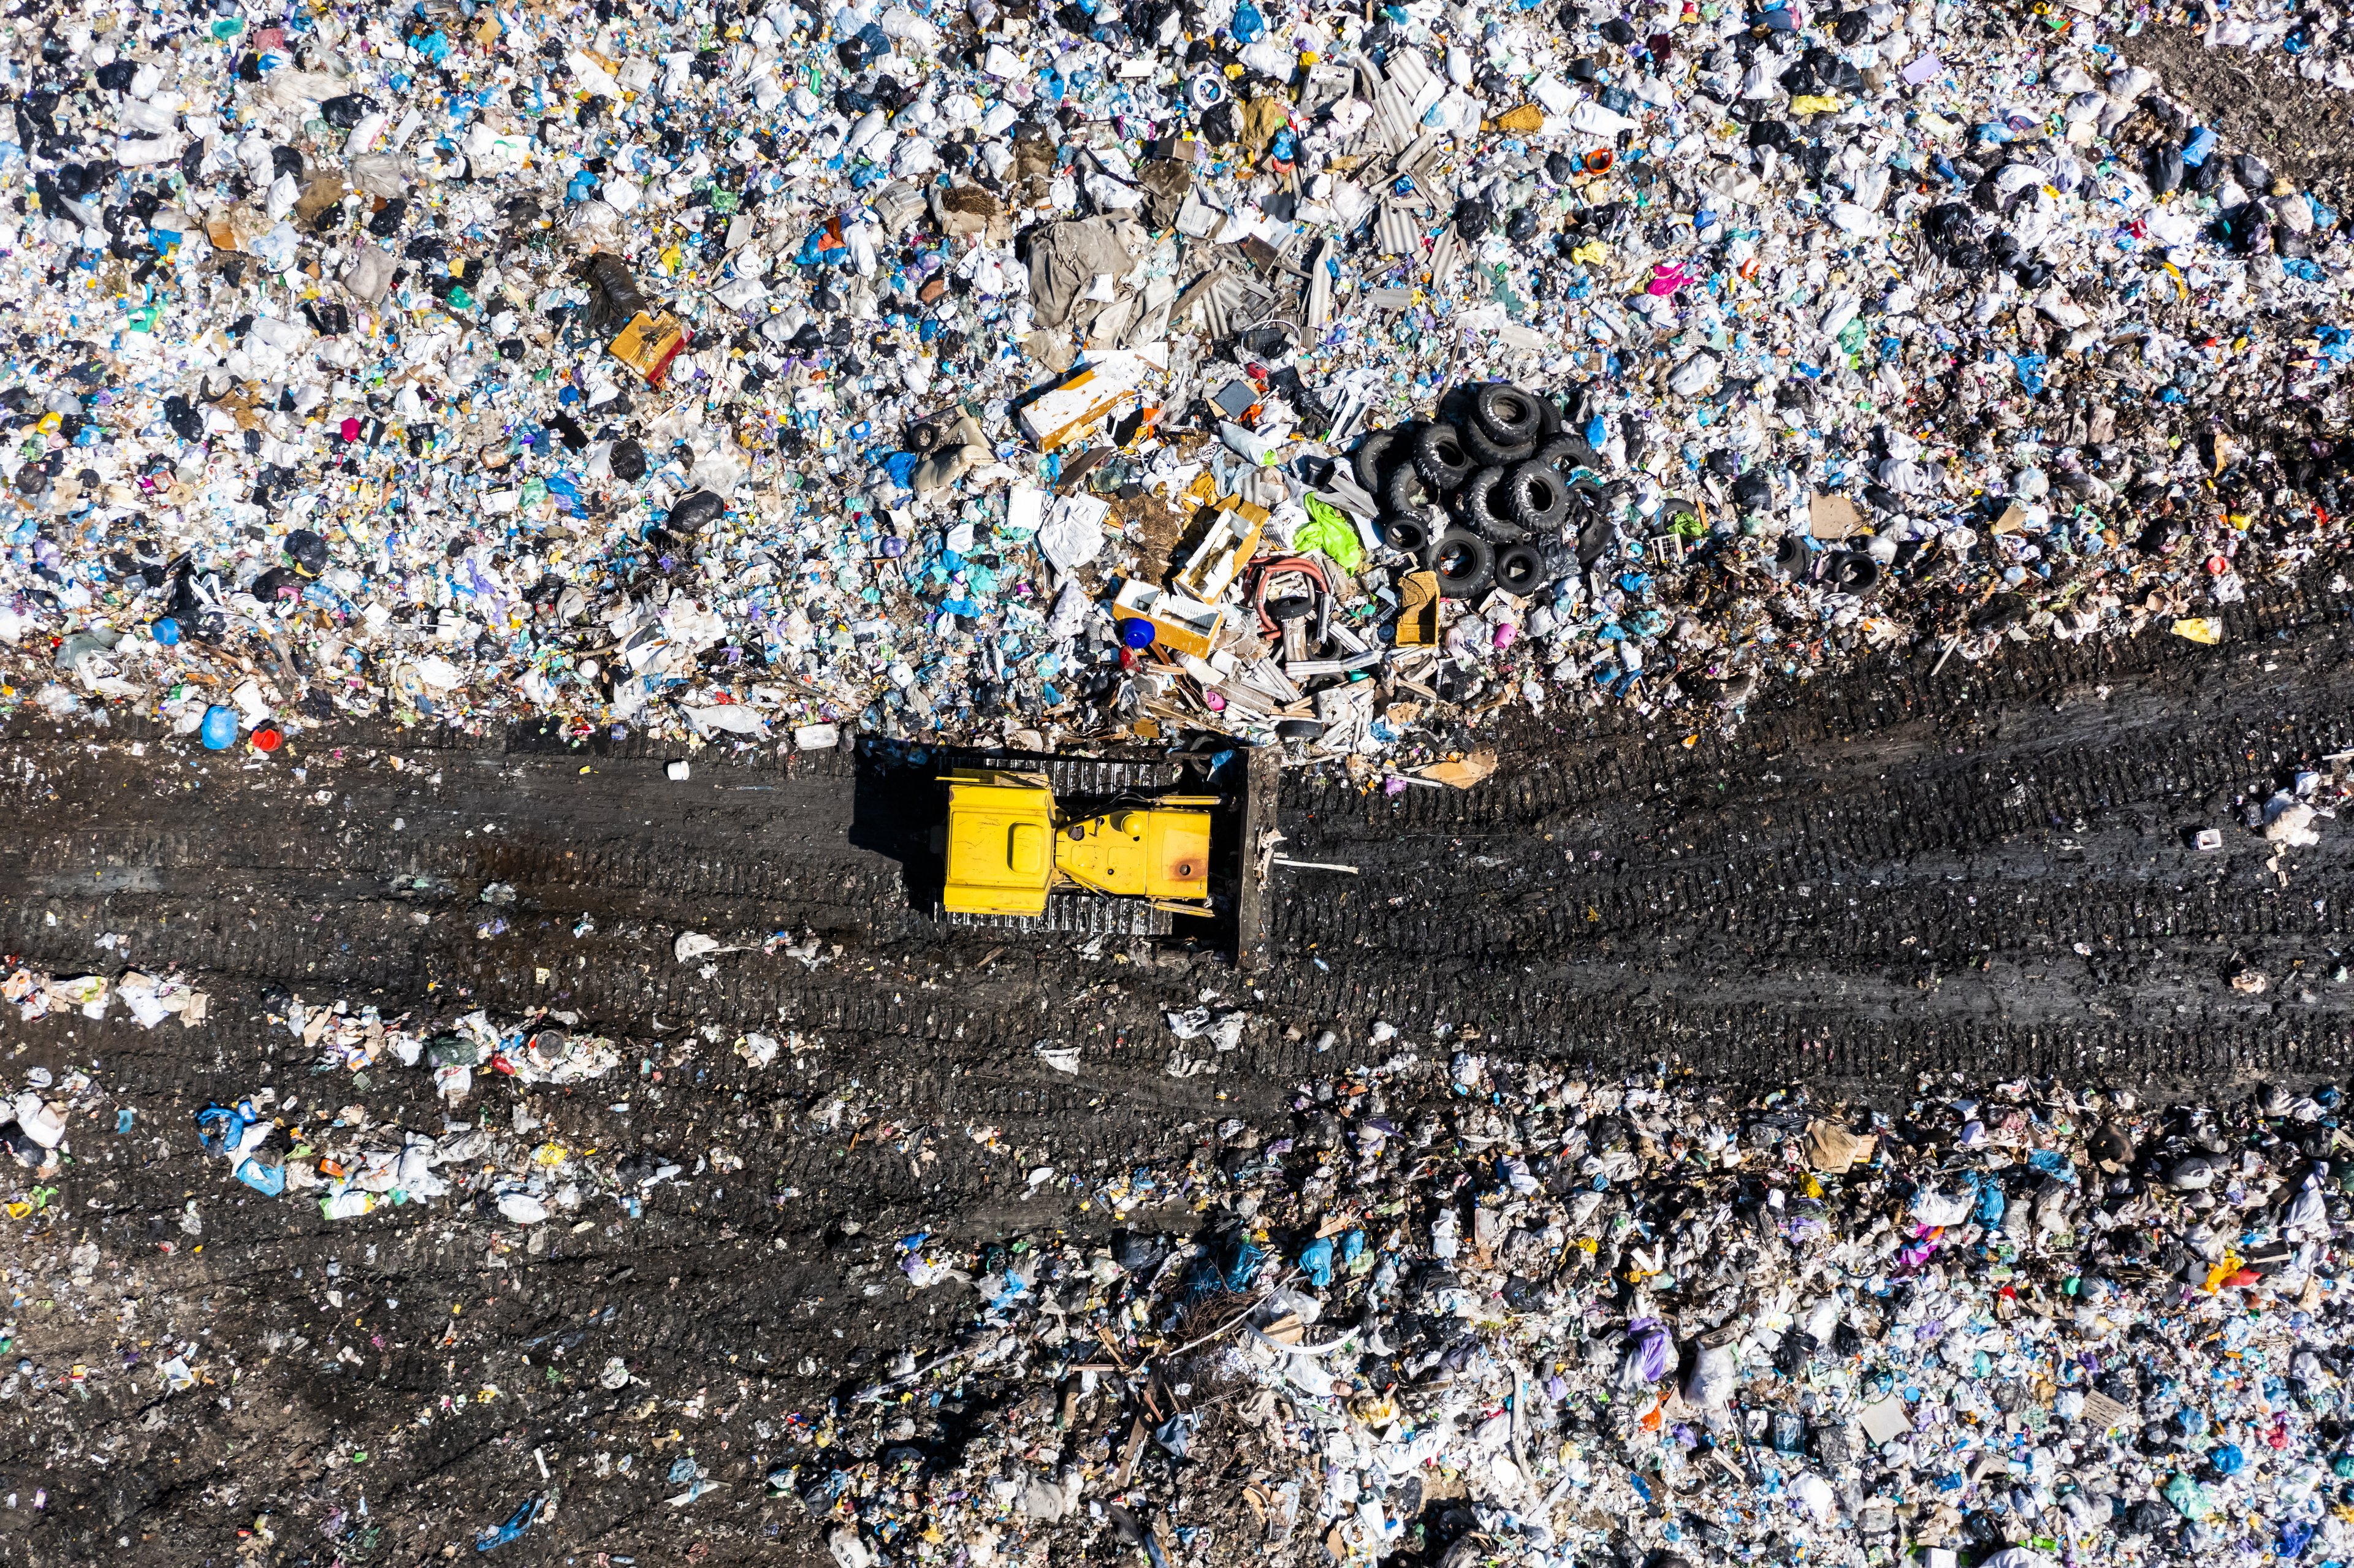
1075 914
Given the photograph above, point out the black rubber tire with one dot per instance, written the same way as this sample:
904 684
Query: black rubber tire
1593 541
1404 490
1454 407
1291 606
1851 571
1519 570
1298 729
1791 557
1536 498
1477 503
1488 452
1404 530
1508 415
1670 508
1548 420
1440 457
1370 463
1465 564
1564 452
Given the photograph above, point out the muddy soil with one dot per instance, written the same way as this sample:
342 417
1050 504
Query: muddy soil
2304 130
1982 871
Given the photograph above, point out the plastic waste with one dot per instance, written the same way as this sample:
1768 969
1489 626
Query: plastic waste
784 371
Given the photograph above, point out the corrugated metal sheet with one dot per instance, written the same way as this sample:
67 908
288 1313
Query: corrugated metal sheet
1407 73
1421 150
1446 255
1395 232
1225 303
1319 307
1393 118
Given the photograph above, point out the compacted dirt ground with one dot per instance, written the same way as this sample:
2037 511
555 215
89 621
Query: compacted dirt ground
1982 870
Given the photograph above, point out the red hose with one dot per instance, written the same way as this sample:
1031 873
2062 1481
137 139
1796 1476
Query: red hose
1266 572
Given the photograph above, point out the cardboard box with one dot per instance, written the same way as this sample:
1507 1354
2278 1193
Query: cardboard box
648 345
1832 517
1089 393
1180 624
1228 546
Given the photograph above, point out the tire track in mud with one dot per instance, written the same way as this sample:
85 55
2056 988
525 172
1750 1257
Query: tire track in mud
1877 883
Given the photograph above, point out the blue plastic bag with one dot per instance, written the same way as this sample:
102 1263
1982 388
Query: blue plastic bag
517 1523
268 1180
220 1130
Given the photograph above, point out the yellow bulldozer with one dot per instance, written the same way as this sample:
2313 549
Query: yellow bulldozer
1114 846
1011 844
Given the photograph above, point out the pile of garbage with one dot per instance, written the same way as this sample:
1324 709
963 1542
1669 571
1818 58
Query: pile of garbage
2314 36
1086 372
539 1048
351 1163
151 999
1484 1310
36 1126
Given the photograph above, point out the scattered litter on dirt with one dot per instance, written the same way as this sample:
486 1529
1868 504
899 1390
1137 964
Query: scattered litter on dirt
1973 872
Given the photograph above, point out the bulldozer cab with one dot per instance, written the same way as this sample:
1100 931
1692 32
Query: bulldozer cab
1000 843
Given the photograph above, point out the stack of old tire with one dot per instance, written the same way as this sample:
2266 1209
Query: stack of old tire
1486 494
